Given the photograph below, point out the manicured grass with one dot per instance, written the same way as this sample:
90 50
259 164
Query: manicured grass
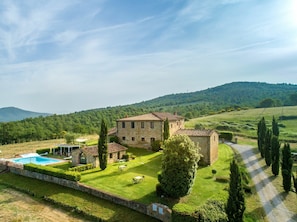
87 203
118 182
148 164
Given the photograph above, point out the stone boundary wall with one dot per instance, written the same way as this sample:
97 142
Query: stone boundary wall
140 207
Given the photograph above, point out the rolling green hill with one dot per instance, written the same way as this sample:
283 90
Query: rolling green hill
225 98
8 114
244 122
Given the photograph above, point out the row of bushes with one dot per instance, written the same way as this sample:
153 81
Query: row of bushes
45 150
226 136
73 176
82 167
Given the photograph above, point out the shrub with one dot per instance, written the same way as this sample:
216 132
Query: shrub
226 136
222 179
51 171
114 139
41 151
156 145
159 190
82 167
212 210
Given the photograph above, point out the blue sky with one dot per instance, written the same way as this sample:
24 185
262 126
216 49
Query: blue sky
66 56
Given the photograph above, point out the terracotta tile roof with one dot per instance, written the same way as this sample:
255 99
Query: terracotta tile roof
112 148
194 132
155 116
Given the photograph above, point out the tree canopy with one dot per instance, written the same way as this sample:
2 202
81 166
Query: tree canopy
179 165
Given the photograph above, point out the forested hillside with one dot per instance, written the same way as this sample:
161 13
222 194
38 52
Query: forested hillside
238 95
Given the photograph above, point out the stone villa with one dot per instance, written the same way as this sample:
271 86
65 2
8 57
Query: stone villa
140 131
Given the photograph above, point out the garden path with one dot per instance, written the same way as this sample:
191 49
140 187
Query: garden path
271 200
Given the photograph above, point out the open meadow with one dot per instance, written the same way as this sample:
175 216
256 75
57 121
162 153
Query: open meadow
244 122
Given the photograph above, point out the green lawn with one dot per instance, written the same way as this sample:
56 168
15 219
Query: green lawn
148 164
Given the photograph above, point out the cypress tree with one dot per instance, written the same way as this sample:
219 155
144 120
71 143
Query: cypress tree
275 146
287 164
295 182
261 132
102 146
275 129
166 133
267 147
236 203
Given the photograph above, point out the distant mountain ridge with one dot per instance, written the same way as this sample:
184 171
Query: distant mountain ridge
8 114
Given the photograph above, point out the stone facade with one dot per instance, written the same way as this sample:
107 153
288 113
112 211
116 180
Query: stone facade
89 154
141 131
208 141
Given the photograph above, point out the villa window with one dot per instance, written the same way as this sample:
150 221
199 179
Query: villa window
133 138
142 139
132 125
153 139
123 138
152 125
142 125
123 125
110 156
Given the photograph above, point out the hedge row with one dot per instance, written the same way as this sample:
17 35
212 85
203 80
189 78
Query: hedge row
82 167
42 151
73 176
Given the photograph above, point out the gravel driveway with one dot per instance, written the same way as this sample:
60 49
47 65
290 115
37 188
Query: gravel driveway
272 203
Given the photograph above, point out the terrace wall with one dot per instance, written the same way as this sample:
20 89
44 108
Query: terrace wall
140 207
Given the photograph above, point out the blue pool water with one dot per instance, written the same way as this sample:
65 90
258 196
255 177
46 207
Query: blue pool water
40 160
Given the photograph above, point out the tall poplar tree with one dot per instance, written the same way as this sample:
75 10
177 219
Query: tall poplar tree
236 203
166 133
287 164
275 152
267 147
102 146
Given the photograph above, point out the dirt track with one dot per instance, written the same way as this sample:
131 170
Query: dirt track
272 203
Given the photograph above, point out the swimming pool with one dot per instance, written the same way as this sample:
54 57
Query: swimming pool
36 159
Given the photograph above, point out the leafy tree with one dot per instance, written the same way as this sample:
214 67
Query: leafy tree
275 151
267 103
261 132
275 129
236 203
287 164
267 147
102 146
70 138
179 165
166 133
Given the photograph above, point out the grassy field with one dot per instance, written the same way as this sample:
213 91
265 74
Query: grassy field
244 122
87 203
